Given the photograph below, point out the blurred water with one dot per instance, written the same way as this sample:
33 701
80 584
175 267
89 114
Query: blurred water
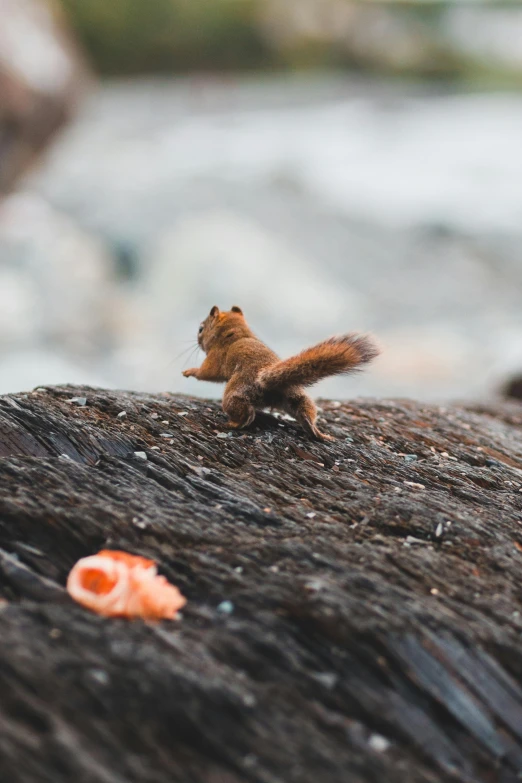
318 205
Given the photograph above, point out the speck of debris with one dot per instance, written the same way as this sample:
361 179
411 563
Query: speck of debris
164 421
165 434
378 743
122 415
140 455
225 607
100 676
183 413
410 457
439 530
201 471
414 485
414 540
327 679
238 569
154 416
55 633
155 448
80 401
434 591
64 456
314 585
223 435
311 515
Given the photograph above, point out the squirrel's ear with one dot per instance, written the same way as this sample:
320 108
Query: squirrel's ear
214 311
236 309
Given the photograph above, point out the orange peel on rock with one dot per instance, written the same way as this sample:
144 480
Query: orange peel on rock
117 584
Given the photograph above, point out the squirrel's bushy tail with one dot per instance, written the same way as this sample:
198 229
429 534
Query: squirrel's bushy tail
334 356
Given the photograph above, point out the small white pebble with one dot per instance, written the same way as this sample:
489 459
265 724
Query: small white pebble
183 413
140 455
314 585
164 421
439 531
122 415
155 448
327 679
415 540
238 569
311 515
80 401
165 434
225 607
378 743
434 591
414 485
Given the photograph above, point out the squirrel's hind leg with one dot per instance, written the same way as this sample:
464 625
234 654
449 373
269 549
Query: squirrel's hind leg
304 410
239 410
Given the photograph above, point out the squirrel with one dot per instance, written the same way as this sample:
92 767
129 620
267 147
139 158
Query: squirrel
257 378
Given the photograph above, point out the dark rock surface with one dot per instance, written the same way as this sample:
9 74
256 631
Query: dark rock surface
353 608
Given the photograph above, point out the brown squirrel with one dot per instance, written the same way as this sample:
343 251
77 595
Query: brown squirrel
257 378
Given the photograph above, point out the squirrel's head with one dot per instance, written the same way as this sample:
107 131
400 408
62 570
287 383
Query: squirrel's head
223 326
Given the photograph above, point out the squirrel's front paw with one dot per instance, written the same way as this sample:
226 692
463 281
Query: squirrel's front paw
190 373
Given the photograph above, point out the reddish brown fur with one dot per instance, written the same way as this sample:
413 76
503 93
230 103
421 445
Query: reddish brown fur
257 378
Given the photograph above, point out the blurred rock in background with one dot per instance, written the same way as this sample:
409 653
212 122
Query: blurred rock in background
53 280
57 295
41 78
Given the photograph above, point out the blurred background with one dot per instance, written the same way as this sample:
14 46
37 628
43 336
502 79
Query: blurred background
328 165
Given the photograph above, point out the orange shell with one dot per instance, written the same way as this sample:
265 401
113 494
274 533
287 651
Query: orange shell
117 584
